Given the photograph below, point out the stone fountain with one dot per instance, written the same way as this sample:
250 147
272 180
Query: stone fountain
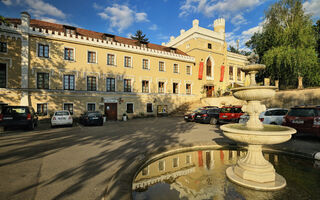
254 171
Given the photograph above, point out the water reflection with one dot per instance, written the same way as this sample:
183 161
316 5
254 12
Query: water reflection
201 175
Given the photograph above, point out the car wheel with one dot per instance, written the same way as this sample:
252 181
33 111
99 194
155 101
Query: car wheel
5 128
273 123
213 121
52 126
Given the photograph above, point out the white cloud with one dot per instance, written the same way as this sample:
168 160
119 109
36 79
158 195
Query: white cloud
312 7
37 8
238 20
154 27
7 2
212 7
97 6
121 17
129 35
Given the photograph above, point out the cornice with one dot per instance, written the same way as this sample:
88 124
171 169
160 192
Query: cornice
236 57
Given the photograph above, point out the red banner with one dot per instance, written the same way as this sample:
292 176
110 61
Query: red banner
200 71
222 73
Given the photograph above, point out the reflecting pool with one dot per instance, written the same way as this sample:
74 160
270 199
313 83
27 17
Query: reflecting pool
201 175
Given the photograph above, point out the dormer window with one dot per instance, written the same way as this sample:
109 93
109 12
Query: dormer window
70 30
173 50
143 44
108 37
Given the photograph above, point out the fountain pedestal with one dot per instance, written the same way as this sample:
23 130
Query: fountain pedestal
254 171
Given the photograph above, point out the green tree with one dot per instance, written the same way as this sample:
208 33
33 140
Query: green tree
234 50
3 20
287 45
140 36
317 31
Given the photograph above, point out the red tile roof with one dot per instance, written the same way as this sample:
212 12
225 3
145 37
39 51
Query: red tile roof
92 34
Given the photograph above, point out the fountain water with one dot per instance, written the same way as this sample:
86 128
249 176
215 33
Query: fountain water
254 171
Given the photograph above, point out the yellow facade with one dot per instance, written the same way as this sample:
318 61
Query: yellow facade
24 58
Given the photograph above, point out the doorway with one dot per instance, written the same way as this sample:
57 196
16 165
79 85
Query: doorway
110 110
209 90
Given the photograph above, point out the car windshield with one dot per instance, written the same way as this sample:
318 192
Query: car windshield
203 111
302 112
94 114
14 110
61 113
225 110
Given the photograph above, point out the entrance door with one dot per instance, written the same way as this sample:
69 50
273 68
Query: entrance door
209 90
110 110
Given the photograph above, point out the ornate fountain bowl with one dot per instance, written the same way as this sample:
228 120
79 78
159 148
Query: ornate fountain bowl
254 93
253 67
270 134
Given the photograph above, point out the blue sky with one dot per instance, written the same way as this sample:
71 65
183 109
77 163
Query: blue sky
158 19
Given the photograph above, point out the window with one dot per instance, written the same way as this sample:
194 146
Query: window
145 86
209 68
238 74
91 57
230 73
175 68
188 159
209 46
161 66
145 64
160 87
127 61
111 86
143 45
172 50
127 85
110 59
69 54
161 165
69 107
129 108
91 107
42 109
68 82
175 88
149 107
43 50
70 30
43 80
188 70
3 75
188 88
175 162
145 171
91 83
3 47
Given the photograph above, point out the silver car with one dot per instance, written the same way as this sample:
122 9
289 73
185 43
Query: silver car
270 116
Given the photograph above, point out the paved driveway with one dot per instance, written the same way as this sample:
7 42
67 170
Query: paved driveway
78 162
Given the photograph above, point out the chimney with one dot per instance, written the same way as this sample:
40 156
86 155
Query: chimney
25 19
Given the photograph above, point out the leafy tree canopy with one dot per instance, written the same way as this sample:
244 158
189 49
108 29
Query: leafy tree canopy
140 36
234 50
287 45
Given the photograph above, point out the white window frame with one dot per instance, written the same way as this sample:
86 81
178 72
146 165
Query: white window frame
132 106
95 105
233 78
36 74
178 68
190 159
190 70
115 60
4 53
132 79
178 87
190 88
148 67
96 61
115 83
151 107
164 165
97 83
149 83
74 53
164 86
47 108
67 74
177 162
68 103
124 61
37 49
148 171
212 68
164 66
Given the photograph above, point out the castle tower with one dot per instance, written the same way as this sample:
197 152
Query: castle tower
219 25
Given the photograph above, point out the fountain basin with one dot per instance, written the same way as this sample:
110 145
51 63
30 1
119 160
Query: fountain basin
254 93
270 134
253 67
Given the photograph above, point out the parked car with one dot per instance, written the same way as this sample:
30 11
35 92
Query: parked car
23 116
189 117
91 118
209 115
270 116
61 117
230 114
305 119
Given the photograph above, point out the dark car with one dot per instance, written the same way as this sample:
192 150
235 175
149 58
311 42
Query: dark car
23 116
230 114
305 119
189 117
206 116
91 118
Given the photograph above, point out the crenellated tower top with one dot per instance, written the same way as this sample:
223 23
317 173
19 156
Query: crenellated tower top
219 25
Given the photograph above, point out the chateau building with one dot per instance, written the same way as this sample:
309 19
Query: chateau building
54 67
